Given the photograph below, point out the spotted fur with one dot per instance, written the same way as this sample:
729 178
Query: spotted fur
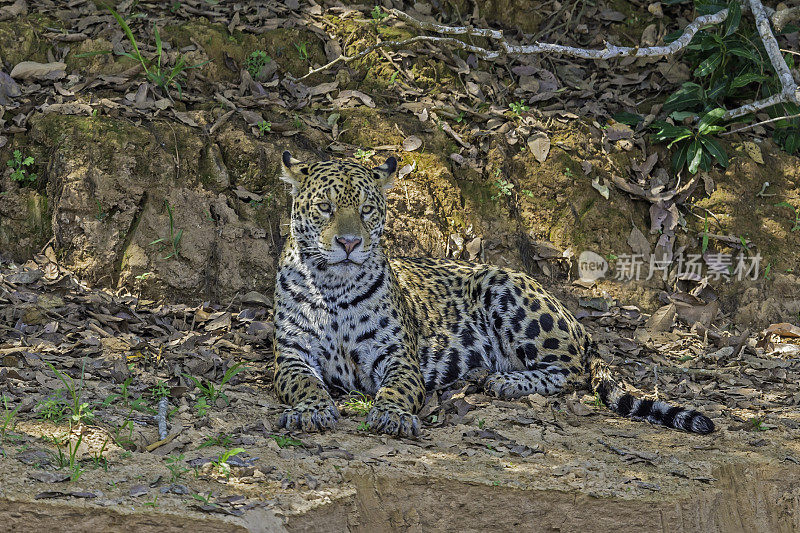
347 318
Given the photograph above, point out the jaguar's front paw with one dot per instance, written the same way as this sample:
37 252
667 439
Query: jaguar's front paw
391 419
310 415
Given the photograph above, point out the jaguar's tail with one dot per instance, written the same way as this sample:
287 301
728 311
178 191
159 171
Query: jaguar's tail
625 404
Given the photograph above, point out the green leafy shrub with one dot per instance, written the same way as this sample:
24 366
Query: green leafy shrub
695 146
731 67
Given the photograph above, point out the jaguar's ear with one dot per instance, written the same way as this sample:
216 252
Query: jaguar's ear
384 174
294 171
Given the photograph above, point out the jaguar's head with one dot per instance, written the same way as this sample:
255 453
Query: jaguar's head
338 209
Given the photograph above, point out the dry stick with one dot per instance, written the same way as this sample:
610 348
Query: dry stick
751 126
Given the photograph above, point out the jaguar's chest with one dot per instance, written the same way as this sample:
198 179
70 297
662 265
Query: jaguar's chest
350 346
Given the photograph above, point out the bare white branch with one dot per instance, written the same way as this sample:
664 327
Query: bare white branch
608 52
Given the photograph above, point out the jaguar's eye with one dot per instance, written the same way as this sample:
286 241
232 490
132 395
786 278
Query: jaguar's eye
325 207
366 210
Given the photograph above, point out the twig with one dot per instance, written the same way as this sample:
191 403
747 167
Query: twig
165 440
751 126
161 418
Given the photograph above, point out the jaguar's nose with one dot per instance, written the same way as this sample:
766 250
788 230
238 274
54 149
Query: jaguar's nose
349 242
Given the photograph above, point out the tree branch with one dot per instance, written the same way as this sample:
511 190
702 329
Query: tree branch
608 52
790 93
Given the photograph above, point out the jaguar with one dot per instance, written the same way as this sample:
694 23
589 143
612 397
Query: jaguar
348 318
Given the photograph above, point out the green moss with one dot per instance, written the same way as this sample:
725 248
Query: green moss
20 39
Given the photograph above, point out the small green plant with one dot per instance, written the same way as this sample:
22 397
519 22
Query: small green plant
152 503
284 441
206 500
363 155
296 122
378 15
528 193
731 65
8 419
220 440
201 406
174 239
460 117
20 168
255 62
212 392
504 188
175 467
481 423
159 390
596 401
143 276
53 408
758 424
66 455
517 108
101 214
363 426
98 457
264 127
359 403
123 434
796 226
124 394
302 50
221 465
156 73
79 411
